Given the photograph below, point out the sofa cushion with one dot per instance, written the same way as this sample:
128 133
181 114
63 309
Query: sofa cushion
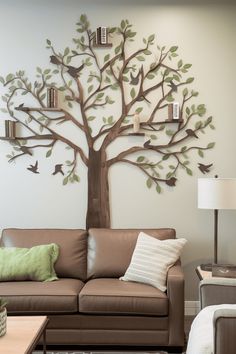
72 260
151 260
110 251
32 297
112 296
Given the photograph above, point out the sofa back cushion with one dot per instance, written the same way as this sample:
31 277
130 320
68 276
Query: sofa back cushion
110 251
72 260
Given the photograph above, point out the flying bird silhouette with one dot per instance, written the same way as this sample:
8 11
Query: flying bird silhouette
204 168
58 169
134 79
173 86
190 132
33 168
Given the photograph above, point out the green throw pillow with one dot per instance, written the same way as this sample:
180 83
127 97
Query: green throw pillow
35 263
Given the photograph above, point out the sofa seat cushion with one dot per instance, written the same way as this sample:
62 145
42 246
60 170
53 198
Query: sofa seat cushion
113 296
32 297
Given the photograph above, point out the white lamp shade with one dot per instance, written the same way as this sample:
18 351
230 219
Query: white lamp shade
217 193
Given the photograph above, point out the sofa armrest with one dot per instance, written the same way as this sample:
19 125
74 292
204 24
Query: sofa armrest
175 293
216 291
224 324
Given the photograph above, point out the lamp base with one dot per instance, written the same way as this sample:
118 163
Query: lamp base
207 267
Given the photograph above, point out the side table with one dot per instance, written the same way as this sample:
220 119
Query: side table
203 274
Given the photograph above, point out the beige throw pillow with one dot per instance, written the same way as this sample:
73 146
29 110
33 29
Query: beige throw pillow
151 260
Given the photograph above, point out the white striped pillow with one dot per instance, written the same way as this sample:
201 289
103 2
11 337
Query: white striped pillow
151 260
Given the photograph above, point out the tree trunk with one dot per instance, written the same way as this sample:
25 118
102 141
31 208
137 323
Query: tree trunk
98 212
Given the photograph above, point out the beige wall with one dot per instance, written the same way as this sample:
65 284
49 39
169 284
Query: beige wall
205 33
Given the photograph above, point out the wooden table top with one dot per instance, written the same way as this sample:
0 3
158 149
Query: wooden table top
23 333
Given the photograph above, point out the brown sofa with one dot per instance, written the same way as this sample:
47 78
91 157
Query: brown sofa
89 305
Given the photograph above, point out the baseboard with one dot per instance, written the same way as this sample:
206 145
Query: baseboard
191 308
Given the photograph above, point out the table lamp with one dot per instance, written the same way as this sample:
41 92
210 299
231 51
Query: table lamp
216 193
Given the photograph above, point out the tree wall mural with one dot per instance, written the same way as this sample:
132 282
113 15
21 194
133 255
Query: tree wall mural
92 80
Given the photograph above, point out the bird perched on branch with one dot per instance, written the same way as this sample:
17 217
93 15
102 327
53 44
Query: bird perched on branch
204 168
171 182
58 169
73 71
190 132
33 168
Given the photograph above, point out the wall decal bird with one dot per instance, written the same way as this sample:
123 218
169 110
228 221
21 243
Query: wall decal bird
33 168
171 182
58 169
204 168
134 79
173 86
190 132
26 150
54 60
73 71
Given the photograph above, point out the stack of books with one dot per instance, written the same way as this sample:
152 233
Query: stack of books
173 111
10 129
52 97
101 35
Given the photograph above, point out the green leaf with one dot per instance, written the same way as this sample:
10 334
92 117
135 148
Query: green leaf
117 49
158 188
198 124
210 145
187 66
212 126
187 110
170 98
139 109
90 88
122 24
140 158
209 120
185 91
140 58
76 178
165 157
2 80
100 95
124 78
200 153
110 120
149 182
147 52
153 137
180 63
65 181
39 70
189 172
151 38
173 49
150 76
190 80
106 58
132 93
184 148
169 132
91 118
49 153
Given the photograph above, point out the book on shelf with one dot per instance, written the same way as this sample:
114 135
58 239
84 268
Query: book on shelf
101 35
173 111
52 97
